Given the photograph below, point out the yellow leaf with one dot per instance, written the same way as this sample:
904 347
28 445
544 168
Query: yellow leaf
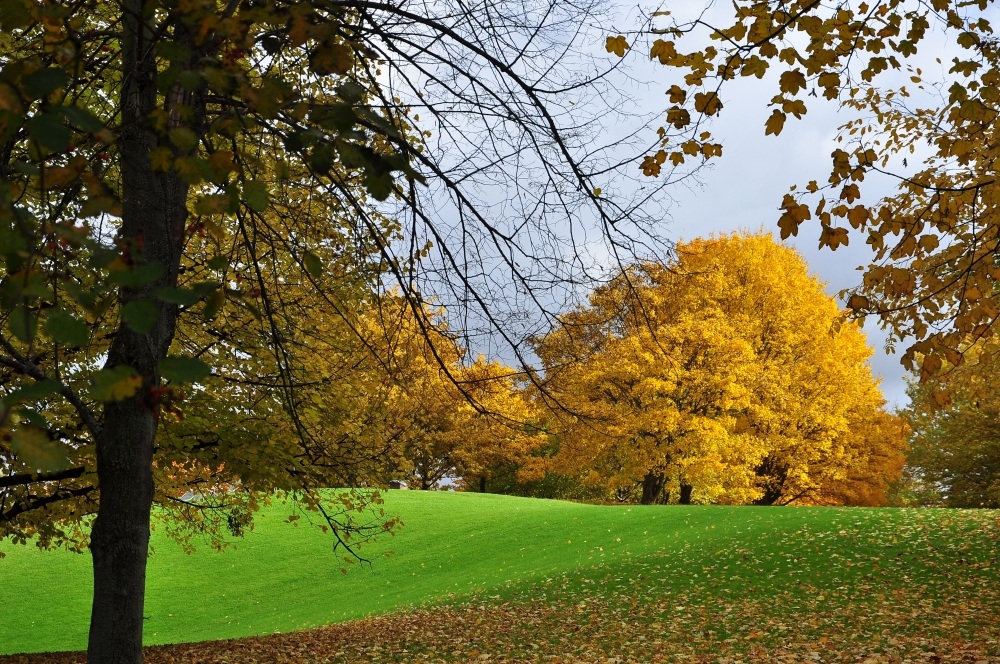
754 66
774 123
930 366
333 58
664 51
792 81
617 45
161 159
9 99
942 398
707 103
833 237
850 193
795 213
858 303
858 215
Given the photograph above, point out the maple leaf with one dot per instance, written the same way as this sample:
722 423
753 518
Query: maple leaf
775 123
617 45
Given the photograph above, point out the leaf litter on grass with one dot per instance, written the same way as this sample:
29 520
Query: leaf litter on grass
921 587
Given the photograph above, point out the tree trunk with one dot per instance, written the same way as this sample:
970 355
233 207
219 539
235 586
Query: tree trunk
120 537
482 484
772 476
652 487
685 497
152 231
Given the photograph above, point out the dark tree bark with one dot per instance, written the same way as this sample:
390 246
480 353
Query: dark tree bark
772 480
153 216
482 484
652 487
685 497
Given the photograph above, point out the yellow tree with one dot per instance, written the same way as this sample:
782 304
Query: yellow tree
501 429
727 375
932 279
405 404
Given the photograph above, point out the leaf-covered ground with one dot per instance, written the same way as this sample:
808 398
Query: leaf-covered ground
887 586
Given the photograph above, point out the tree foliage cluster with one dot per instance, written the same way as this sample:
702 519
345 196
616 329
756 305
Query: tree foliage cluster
726 375
921 116
955 417
201 205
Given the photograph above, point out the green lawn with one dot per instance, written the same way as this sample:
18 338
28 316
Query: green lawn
282 578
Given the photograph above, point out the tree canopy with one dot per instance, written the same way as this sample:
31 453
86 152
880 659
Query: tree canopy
955 416
927 132
726 375
201 200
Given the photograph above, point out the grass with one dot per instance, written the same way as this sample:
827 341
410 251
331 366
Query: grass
729 575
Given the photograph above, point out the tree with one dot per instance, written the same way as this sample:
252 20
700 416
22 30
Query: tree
503 428
726 375
184 183
440 416
932 279
956 431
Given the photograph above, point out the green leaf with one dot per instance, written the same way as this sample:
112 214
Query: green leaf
140 315
182 296
213 305
379 185
115 384
23 323
82 118
85 298
179 369
321 158
218 262
190 79
33 391
186 297
173 51
11 242
210 204
44 81
50 132
255 195
39 452
138 276
351 91
66 328
313 264
184 138
353 155
338 117
14 14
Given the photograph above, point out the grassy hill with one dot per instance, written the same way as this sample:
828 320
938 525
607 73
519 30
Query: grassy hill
282 578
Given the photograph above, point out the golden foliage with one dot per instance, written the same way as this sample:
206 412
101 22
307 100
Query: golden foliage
728 371
932 279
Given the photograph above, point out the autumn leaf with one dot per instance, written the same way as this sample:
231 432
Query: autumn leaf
115 384
617 45
707 103
775 123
